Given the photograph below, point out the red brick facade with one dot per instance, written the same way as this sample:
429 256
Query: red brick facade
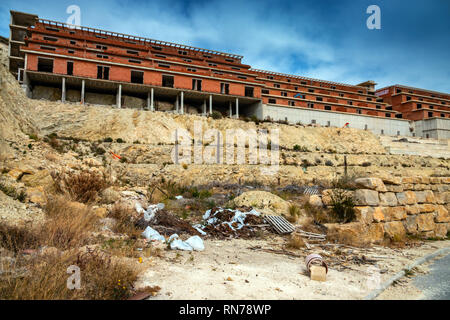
416 104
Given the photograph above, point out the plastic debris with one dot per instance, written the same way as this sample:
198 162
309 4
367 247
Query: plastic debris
151 234
177 243
149 214
196 243
228 221
178 197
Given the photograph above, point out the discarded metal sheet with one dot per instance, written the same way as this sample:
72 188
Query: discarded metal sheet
311 190
280 224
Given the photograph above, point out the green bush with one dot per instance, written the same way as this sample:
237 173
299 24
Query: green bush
343 205
109 139
216 115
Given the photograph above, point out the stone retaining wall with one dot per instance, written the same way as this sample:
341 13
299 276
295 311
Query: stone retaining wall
392 208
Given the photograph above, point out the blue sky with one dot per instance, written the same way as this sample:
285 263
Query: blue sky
320 39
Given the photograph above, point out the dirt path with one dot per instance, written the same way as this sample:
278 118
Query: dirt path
230 270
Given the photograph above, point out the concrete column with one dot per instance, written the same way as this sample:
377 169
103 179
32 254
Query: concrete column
148 100
119 97
182 102
204 108
231 109
237 108
210 104
82 91
63 91
152 99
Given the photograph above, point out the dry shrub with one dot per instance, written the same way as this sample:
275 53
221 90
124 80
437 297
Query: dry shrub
319 214
16 238
295 241
83 186
123 214
68 224
45 277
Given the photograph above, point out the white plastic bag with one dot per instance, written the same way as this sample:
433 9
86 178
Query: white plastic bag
151 234
196 243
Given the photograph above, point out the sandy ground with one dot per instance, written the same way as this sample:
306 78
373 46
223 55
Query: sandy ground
231 270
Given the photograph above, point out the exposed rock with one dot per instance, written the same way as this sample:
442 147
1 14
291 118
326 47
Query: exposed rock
264 201
364 214
371 183
407 197
426 207
442 214
355 233
376 233
388 199
315 201
110 195
440 230
366 197
37 195
425 222
394 213
378 214
411 224
411 210
395 230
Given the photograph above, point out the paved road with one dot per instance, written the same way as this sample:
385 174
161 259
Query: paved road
435 285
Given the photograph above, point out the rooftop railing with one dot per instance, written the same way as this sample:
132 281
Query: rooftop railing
127 37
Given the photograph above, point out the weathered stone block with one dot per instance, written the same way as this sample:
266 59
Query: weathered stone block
407 197
441 214
364 214
376 232
411 210
429 196
440 230
394 188
394 213
407 180
395 230
378 214
366 197
388 199
425 222
392 180
371 183
420 196
411 224
435 180
426 207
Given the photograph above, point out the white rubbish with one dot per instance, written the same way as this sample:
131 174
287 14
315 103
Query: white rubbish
196 243
151 234
198 228
238 219
179 197
176 243
139 208
149 214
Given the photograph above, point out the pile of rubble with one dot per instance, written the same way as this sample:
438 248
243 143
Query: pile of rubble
230 223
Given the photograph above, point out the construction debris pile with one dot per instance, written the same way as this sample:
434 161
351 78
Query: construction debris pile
230 223
163 221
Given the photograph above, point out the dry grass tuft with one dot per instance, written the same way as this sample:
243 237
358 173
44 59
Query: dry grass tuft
46 278
123 215
295 241
82 187
68 224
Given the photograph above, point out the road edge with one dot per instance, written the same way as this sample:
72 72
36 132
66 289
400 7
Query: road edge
375 293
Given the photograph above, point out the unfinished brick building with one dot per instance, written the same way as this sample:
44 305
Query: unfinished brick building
82 64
